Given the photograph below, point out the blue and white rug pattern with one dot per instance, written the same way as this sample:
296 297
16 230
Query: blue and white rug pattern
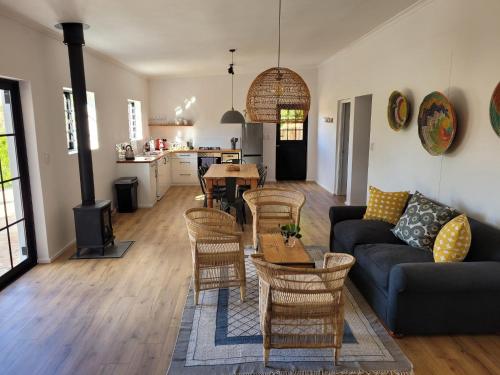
222 335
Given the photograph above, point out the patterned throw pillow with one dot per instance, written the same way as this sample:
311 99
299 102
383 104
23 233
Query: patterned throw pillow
453 241
385 206
422 221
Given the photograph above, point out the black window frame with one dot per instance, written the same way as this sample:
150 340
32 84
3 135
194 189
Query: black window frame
23 169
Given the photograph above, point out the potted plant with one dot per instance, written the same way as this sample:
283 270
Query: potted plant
290 233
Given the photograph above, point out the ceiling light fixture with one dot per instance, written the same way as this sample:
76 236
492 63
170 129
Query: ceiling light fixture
232 116
277 88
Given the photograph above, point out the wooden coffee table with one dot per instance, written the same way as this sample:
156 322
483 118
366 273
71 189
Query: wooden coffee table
273 247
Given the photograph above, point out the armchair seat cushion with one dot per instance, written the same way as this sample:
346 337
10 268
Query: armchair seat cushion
350 233
377 260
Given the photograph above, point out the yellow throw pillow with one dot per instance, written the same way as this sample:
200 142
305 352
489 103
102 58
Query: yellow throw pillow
385 206
453 241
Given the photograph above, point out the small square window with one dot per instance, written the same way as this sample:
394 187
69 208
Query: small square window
134 120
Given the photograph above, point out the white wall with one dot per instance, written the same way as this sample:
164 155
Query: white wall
213 98
41 64
445 45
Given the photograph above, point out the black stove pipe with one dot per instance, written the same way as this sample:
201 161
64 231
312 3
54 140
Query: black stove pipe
73 38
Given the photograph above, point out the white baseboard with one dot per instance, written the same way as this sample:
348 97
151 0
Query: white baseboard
56 255
324 187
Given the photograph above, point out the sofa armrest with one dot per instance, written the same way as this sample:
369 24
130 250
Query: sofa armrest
342 213
461 277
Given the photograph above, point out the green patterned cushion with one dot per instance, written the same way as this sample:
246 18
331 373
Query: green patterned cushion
422 221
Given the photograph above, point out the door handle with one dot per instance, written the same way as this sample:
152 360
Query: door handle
277 145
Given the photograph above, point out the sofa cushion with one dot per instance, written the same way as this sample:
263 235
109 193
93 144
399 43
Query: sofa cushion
377 260
350 233
385 206
453 241
422 221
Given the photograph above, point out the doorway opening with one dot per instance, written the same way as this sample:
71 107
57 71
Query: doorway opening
291 145
17 232
353 149
343 132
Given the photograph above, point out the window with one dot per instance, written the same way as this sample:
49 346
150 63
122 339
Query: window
291 129
134 120
69 112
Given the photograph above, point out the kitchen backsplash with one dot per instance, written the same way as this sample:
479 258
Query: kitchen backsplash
199 137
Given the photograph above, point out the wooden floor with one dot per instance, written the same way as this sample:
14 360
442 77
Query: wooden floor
122 316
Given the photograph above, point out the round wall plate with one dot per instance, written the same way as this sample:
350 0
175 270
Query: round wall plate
398 111
437 123
495 110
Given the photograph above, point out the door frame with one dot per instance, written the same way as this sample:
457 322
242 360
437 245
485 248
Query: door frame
22 160
340 139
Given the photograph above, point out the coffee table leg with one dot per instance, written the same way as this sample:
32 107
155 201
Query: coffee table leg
253 183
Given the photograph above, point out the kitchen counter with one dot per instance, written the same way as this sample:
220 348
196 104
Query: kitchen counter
153 158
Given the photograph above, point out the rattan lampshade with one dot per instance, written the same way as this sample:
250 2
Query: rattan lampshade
274 89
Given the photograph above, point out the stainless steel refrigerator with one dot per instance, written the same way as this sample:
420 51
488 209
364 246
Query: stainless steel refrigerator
252 143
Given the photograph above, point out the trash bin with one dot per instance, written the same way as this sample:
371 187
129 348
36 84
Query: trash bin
126 194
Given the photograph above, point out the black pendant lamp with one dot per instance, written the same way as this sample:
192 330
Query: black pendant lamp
232 116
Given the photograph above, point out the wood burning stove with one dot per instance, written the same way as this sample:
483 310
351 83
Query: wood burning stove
92 219
93 226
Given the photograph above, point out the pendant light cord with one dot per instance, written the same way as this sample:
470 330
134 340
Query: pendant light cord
279 32
232 81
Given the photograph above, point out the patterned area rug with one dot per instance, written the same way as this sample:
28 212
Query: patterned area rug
222 336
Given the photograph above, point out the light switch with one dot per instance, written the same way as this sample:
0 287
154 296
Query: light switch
372 146
46 158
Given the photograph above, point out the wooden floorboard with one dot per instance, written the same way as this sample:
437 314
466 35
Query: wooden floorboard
122 316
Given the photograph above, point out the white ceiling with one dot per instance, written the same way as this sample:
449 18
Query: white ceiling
192 37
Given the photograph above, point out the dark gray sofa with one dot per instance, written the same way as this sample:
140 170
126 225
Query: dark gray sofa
409 292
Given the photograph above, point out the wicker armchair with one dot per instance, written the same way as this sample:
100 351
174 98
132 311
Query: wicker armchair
302 308
217 250
273 207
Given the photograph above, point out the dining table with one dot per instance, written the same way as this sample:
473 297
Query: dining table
217 174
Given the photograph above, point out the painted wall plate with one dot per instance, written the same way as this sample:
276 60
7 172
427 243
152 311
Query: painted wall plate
437 123
398 111
495 110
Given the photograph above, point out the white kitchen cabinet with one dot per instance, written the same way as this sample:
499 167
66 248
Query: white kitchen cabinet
163 176
146 175
184 168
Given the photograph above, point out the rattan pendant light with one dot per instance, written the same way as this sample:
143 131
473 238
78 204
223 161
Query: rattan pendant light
232 116
277 88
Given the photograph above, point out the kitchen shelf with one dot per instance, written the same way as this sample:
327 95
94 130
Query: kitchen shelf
170 124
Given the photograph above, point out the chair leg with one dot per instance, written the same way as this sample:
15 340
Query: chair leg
242 293
196 295
336 353
266 356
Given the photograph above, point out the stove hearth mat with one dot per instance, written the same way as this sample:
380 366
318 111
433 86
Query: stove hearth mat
118 250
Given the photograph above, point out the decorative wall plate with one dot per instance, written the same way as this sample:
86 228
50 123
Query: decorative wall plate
495 110
398 111
437 123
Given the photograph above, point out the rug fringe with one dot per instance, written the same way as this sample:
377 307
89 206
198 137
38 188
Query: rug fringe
333 372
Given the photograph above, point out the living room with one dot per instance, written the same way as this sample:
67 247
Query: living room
385 154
